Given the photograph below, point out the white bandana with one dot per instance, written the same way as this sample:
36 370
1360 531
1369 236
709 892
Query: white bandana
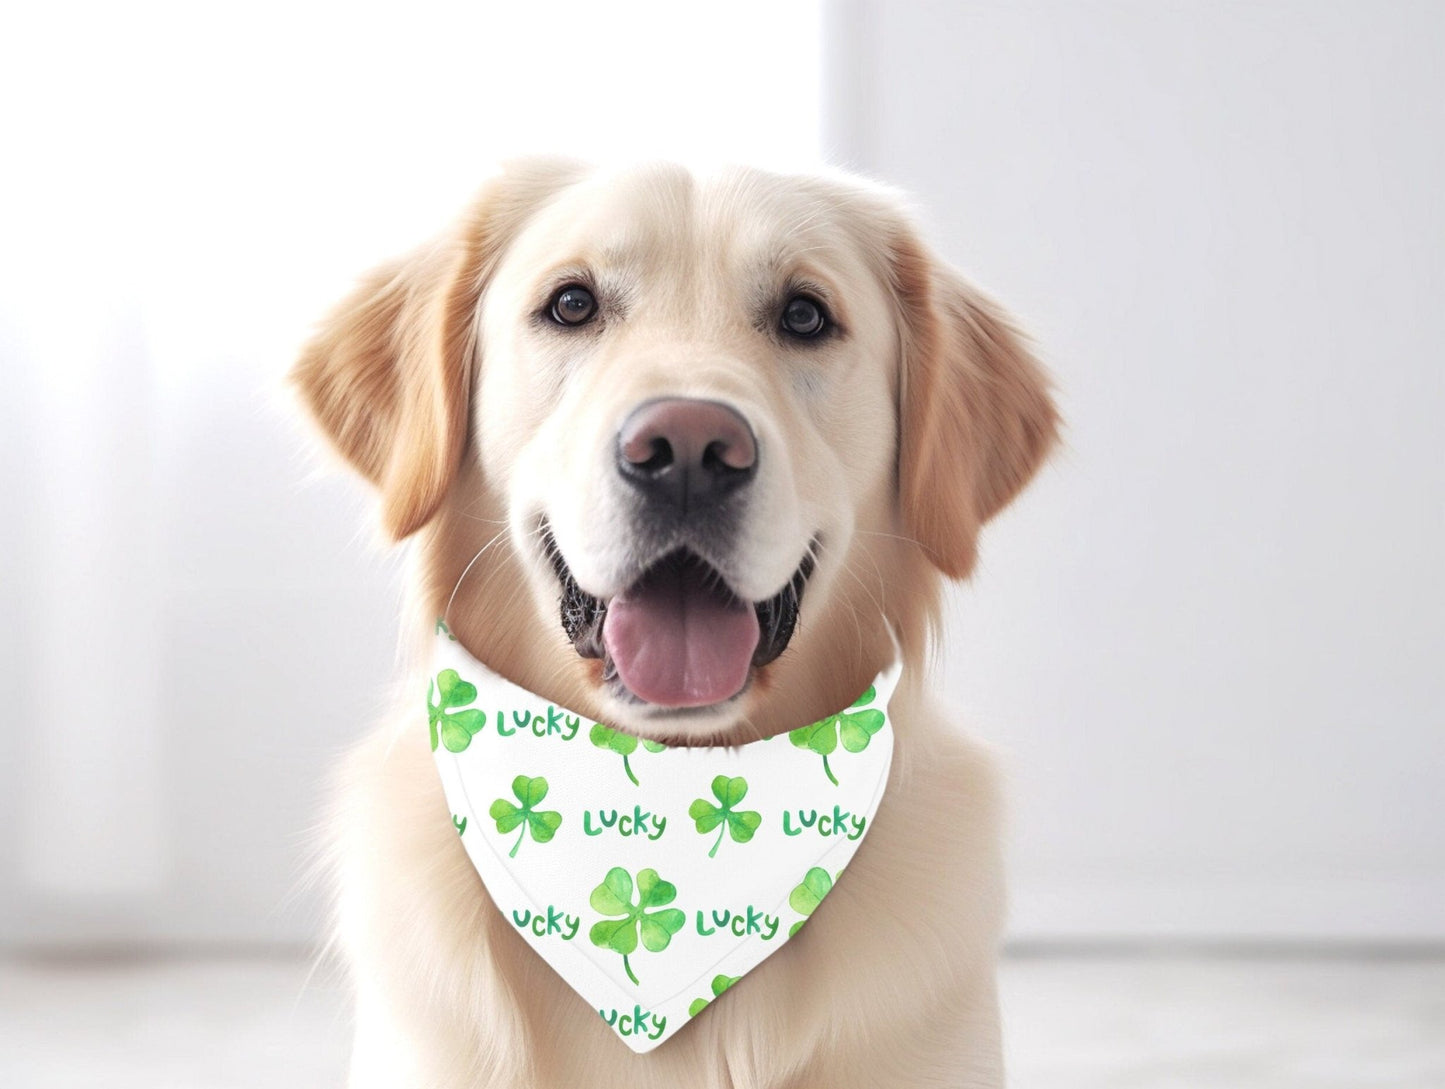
650 878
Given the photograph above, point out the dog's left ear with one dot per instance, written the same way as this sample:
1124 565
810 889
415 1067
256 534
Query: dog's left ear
976 418
388 375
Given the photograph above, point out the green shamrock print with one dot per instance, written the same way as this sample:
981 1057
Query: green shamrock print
614 897
855 728
456 728
729 793
604 737
719 985
808 895
543 823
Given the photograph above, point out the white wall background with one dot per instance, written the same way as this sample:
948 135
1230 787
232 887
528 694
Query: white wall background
1210 637
1213 637
193 624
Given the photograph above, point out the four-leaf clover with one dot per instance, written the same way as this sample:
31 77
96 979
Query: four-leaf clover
855 728
729 793
614 897
455 727
804 899
604 737
719 985
543 823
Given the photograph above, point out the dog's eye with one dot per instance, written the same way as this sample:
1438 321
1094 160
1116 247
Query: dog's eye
804 317
573 305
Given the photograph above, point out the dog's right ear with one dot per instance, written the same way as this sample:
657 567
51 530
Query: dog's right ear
388 376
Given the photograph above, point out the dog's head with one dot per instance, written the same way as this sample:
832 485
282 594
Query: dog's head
678 444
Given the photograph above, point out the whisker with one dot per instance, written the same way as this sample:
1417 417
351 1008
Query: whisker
890 536
447 612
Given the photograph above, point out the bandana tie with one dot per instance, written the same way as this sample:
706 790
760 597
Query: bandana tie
651 879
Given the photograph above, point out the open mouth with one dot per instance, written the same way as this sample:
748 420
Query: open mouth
678 636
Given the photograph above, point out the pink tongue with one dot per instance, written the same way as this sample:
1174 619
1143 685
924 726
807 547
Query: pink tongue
679 642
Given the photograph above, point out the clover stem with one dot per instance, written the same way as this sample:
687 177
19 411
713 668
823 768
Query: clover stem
513 852
628 768
434 739
721 829
829 771
627 967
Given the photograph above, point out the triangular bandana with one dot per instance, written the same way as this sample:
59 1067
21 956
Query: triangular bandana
651 879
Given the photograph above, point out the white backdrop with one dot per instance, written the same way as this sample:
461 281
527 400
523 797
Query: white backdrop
1212 637
1209 638
194 623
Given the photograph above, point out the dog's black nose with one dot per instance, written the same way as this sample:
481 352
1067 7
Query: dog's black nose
685 452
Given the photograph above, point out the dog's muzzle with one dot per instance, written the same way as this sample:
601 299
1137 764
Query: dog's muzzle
678 635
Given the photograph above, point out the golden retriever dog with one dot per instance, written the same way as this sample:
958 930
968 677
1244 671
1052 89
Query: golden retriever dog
676 450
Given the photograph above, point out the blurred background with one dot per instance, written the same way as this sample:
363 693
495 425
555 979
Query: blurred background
1209 640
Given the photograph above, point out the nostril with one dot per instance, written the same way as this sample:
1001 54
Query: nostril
659 457
647 452
725 458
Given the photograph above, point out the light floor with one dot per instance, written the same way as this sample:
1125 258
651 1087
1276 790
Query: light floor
1073 1022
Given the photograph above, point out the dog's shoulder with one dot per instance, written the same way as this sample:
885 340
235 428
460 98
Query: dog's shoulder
907 943
934 845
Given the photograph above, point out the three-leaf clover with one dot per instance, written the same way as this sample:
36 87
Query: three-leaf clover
729 793
815 885
604 737
614 897
455 727
543 823
855 728
719 985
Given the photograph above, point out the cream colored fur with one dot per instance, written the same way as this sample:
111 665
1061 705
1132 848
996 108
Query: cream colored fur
895 442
